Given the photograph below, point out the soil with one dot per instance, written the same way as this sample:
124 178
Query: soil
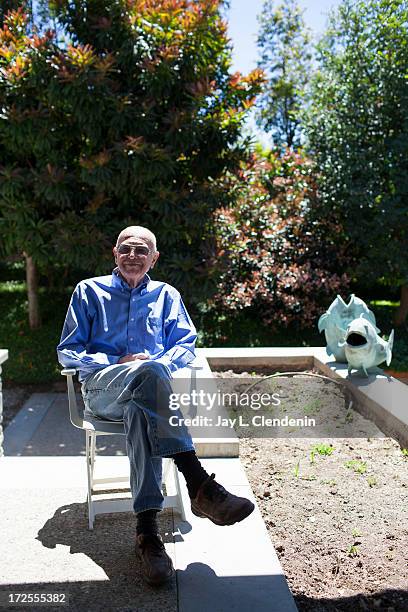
340 529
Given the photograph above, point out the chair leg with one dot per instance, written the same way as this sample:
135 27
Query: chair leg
93 453
179 493
89 472
167 467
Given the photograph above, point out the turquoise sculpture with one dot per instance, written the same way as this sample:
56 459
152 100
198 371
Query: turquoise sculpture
352 336
364 348
336 319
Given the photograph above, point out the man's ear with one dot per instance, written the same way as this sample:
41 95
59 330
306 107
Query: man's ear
114 251
155 258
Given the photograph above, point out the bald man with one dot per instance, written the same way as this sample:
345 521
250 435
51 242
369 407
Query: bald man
126 334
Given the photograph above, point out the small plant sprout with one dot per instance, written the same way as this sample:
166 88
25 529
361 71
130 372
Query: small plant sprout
404 452
323 449
353 551
312 456
360 467
331 482
372 481
297 469
349 416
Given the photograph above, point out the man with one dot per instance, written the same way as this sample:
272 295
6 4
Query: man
126 333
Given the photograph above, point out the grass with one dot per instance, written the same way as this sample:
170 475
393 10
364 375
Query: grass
32 357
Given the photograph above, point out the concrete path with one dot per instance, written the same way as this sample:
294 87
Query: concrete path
46 546
49 548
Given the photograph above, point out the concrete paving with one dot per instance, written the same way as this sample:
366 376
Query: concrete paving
229 568
50 549
46 546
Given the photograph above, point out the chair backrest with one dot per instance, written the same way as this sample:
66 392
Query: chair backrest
74 416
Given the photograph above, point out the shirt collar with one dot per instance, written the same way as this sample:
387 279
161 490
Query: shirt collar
118 281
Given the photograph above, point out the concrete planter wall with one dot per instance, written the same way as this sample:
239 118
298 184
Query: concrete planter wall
3 357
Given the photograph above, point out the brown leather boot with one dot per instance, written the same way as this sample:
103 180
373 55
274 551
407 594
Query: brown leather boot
215 503
157 567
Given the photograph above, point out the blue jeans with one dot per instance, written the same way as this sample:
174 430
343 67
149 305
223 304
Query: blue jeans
138 393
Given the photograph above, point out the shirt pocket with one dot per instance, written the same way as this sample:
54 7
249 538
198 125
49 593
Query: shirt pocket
154 326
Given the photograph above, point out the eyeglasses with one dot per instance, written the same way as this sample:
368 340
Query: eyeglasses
126 249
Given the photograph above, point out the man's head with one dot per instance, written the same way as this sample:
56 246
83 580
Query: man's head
135 253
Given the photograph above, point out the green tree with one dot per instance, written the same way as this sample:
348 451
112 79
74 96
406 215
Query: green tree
357 127
285 56
132 118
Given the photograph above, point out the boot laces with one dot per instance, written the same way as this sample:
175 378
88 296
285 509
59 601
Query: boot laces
214 491
153 543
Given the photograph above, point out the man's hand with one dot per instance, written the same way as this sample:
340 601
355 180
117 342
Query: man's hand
133 357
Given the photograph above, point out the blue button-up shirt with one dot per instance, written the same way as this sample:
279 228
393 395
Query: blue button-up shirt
108 319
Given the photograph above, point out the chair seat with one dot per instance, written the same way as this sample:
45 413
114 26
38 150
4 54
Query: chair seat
102 426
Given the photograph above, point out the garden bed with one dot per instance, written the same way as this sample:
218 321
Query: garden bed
335 508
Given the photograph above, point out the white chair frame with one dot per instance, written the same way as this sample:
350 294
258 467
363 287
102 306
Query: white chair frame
94 427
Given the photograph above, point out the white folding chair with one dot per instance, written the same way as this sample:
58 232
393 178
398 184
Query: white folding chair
94 427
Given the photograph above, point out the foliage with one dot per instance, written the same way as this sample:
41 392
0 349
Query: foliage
357 126
272 255
6 6
284 45
134 119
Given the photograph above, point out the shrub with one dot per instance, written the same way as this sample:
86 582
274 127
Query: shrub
271 254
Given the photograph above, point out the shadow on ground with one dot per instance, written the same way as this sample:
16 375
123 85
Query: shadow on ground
110 547
390 600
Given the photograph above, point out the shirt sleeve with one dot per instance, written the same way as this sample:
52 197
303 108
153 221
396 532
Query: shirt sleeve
72 349
180 336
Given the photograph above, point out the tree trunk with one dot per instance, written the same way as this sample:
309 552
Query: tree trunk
32 292
402 310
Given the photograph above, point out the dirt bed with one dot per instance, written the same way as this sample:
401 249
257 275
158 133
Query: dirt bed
335 508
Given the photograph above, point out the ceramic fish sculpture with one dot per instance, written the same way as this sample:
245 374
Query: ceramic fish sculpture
364 348
335 320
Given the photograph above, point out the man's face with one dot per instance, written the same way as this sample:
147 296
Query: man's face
134 256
